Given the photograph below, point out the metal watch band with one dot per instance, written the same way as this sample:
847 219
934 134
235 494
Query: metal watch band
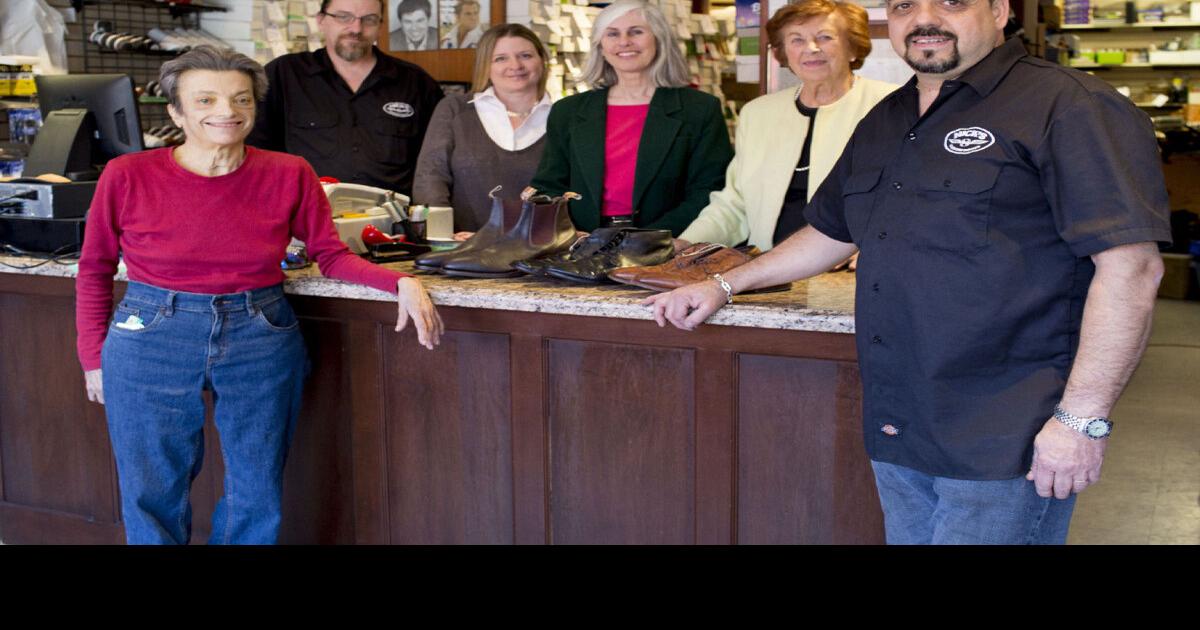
1081 424
724 285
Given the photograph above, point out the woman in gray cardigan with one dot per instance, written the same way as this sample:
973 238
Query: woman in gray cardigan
494 137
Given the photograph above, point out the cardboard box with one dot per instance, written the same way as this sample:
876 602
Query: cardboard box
1177 276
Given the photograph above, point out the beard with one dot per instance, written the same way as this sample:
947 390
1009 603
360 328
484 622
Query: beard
352 48
925 62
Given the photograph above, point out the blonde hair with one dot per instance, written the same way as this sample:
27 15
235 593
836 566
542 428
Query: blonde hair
668 68
482 78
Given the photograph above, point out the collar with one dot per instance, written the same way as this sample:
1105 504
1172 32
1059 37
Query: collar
488 96
595 103
987 74
319 62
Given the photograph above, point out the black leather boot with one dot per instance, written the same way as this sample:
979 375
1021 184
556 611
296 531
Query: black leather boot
503 217
629 247
583 248
544 228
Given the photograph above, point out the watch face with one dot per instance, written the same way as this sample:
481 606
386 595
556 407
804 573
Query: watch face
1097 428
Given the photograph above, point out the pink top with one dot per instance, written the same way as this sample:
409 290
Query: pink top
185 232
622 136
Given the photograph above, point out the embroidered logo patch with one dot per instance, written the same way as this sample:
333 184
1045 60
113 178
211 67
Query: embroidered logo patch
398 109
969 140
890 429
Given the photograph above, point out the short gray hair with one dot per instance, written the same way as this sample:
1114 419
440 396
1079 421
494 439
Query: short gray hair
210 58
668 69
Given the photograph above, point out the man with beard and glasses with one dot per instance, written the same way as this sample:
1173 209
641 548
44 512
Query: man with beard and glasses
353 112
1007 211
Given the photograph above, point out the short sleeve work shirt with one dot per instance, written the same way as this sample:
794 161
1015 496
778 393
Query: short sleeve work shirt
975 224
372 136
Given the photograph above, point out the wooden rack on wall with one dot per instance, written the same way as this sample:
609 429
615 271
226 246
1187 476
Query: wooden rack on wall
442 65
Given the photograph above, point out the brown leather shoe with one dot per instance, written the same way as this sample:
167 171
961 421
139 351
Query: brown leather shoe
694 264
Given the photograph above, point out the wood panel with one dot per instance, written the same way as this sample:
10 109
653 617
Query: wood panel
794 444
54 450
449 439
622 443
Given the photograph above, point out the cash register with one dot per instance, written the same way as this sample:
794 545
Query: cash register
89 120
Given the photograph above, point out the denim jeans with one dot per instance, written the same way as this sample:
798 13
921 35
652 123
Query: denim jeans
920 509
162 349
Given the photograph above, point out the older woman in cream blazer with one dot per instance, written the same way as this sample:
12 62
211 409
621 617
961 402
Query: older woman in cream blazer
821 41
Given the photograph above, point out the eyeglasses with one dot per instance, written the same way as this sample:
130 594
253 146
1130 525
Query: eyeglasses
347 19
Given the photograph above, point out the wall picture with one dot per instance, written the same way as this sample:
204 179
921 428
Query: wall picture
413 25
463 22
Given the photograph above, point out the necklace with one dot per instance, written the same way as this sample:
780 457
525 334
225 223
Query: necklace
518 114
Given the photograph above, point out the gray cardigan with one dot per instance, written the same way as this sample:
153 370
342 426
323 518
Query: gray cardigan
459 164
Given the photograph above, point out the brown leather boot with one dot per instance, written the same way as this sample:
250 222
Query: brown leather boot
544 228
694 264
502 219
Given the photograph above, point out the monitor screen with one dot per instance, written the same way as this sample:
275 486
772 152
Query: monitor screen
111 100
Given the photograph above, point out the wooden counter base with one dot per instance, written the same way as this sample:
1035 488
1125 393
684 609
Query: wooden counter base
520 428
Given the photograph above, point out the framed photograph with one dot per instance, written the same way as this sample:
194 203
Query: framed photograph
462 22
413 25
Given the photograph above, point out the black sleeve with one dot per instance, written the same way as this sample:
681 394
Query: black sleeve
825 211
1100 169
270 118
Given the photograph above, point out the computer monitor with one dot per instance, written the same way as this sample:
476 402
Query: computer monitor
88 119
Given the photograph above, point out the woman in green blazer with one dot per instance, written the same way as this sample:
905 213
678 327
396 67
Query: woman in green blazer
641 147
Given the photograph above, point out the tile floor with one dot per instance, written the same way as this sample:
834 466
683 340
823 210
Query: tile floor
1149 491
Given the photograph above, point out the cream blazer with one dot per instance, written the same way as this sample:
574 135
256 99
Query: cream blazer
770 137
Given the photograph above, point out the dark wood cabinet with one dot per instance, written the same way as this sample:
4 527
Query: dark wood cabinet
524 428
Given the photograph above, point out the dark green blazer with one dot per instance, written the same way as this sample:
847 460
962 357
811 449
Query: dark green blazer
682 157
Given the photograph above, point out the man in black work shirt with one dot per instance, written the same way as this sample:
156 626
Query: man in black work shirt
1006 210
351 111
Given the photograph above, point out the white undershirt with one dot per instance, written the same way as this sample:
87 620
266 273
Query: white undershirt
494 116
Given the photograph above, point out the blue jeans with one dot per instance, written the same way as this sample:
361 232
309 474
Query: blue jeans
162 349
920 509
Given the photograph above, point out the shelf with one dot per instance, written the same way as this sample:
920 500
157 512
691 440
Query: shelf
152 100
135 51
175 8
1103 66
1139 25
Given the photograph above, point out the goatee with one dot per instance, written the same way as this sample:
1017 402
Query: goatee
926 64
352 49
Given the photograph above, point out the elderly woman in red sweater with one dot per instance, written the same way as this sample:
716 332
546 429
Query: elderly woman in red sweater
202 228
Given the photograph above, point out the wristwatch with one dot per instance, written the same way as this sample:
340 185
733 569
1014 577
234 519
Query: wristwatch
1093 428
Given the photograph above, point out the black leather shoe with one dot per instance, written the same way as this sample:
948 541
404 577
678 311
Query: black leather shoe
584 247
544 228
629 247
503 217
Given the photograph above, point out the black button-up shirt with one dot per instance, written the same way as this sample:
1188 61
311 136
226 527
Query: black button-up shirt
371 136
975 223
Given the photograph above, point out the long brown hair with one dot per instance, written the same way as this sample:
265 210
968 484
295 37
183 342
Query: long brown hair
487 46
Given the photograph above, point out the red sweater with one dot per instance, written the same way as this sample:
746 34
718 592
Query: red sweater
185 232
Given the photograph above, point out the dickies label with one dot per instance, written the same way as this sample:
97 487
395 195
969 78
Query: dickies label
398 109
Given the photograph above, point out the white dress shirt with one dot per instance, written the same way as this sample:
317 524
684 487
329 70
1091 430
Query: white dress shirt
494 116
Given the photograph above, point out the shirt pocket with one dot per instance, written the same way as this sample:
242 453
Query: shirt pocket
392 140
953 208
313 135
858 201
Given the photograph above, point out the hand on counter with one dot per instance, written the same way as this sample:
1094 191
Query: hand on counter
687 307
850 264
414 302
1064 461
95 385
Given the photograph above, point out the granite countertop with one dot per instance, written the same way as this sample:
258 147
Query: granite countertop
824 303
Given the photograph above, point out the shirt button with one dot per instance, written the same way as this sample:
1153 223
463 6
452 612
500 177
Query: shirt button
897 185
882 235
912 136
946 184
876 339
354 148
875 287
